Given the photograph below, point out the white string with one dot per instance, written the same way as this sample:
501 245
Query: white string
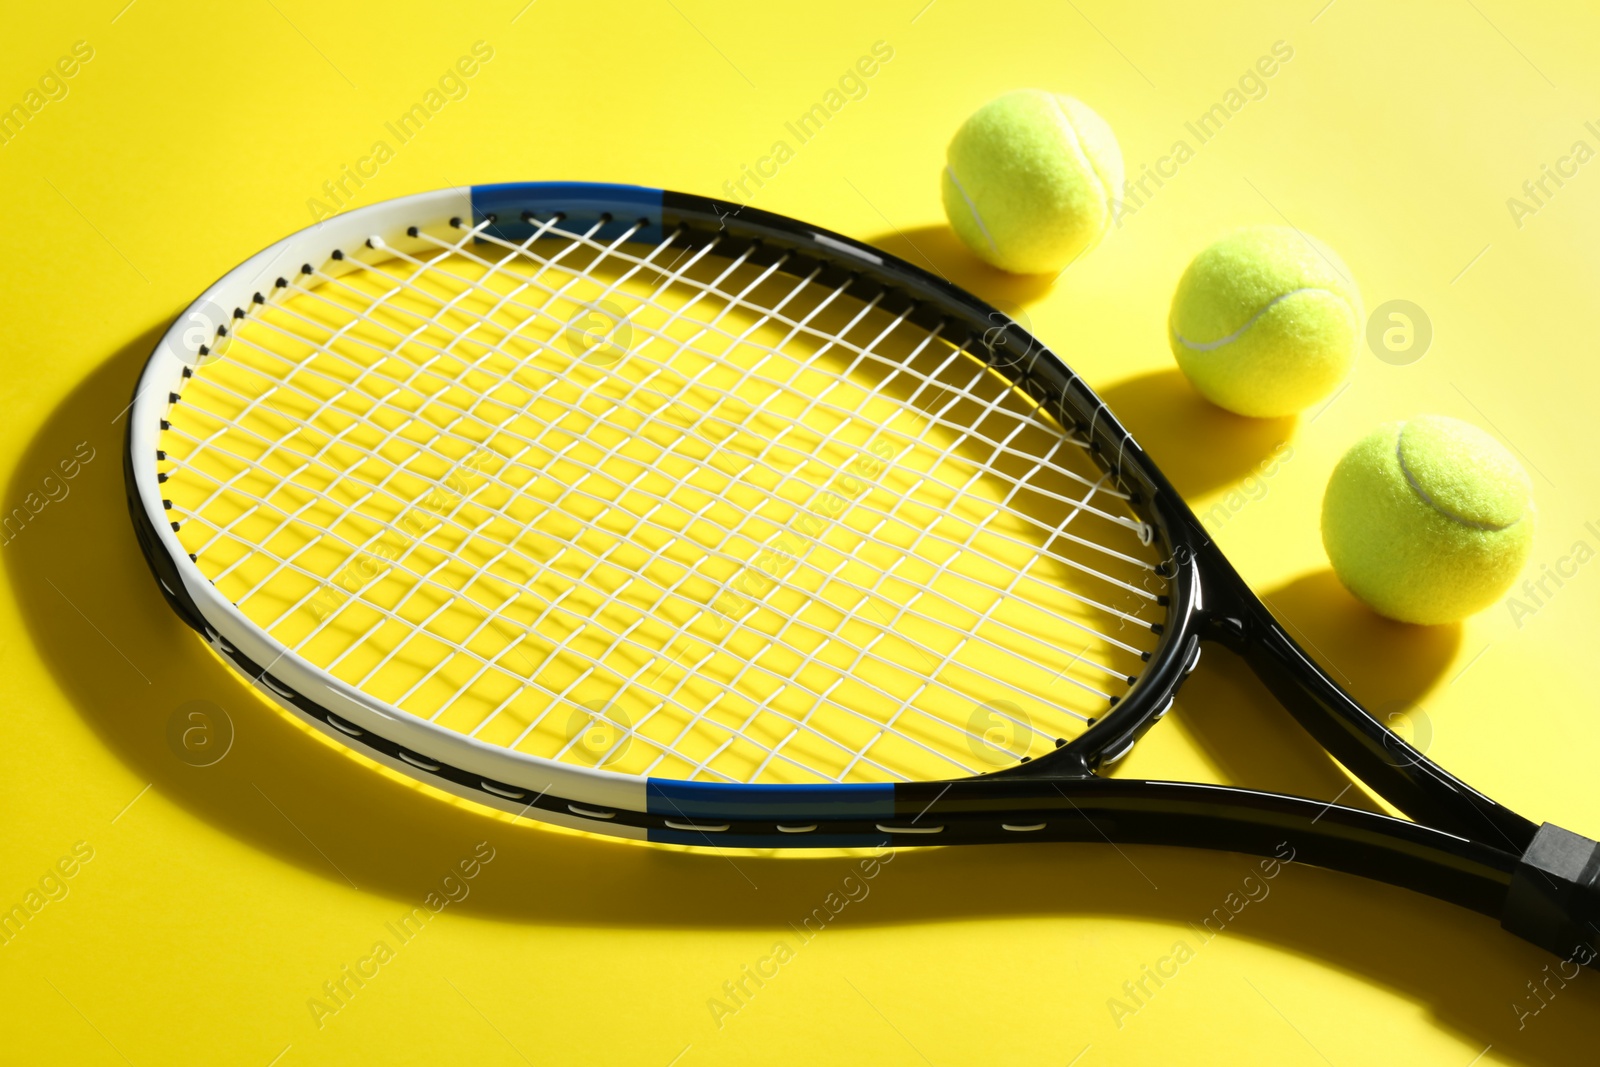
486 330
966 543
612 598
416 628
890 366
957 398
596 469
1013 582
1075 503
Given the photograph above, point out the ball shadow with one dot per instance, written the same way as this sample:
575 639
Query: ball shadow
1199 446
1382 663
937 249
125 663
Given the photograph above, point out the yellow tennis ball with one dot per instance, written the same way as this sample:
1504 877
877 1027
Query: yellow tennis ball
1265 322
1428 520
1030 181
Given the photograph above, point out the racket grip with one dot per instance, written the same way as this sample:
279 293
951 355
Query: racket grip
1554 899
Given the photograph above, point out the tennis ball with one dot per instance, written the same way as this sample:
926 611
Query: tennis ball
1427 520
1265 321
1030 181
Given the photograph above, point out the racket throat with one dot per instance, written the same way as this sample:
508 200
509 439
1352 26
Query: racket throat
1235 617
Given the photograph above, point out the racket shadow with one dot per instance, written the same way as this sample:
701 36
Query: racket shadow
938 250
1383 663
127 665
1167 417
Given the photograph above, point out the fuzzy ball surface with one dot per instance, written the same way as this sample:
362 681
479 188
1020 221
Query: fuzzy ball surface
1428 520
1031 180
1266 321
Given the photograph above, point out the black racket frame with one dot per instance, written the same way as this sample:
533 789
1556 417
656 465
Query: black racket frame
1539 881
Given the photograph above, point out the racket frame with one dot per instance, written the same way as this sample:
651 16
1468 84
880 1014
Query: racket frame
1463 847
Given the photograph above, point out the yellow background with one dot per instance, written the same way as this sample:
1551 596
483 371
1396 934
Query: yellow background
219 899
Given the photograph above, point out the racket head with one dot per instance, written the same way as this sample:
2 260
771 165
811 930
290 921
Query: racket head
1012 366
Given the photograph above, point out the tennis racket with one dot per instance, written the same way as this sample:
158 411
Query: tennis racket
662 517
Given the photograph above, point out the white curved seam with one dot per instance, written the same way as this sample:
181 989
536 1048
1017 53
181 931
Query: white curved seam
1416 487
1075 141
1207 346
972 208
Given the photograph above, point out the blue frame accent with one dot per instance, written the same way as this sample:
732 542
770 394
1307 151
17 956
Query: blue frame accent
720 802
583 202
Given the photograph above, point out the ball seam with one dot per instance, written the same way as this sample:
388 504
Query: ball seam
1075 139
1422 494
973 208
1208 346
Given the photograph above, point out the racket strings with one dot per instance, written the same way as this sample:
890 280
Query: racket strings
814 641
491 614
488 618
866 351
976 473
427 577
797 327
865 591
493 611
978 469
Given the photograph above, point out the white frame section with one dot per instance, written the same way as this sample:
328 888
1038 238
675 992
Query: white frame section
163 376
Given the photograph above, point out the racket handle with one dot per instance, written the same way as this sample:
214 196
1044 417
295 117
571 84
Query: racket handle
1554 899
